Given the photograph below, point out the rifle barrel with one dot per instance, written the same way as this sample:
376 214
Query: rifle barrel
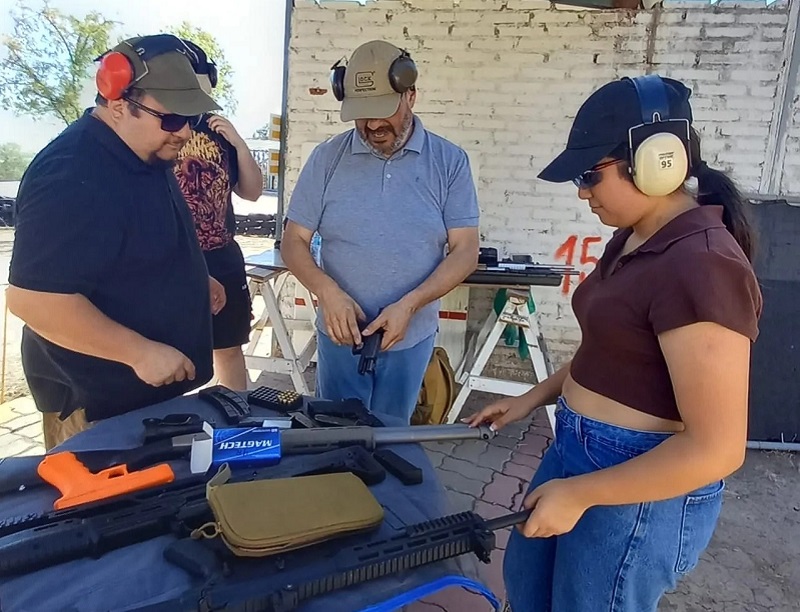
294 441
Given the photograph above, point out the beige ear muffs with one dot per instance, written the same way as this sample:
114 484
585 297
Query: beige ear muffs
660 164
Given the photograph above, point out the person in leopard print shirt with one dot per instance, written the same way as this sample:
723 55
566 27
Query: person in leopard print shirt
212 165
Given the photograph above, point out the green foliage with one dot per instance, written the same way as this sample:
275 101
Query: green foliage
13 161
223 92
49 57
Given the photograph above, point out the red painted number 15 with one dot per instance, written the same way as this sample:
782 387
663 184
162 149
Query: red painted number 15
567 252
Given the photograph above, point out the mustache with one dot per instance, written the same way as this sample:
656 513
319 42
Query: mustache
384 128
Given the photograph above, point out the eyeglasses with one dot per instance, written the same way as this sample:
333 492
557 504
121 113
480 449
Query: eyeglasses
591 177
170 122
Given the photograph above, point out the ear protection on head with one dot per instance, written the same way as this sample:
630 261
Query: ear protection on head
117 74
402 75
659 146
337 80
212 73
203 64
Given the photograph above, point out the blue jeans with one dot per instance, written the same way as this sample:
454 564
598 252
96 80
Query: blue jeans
391 390
616 558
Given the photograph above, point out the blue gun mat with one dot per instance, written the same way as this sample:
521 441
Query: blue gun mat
138 575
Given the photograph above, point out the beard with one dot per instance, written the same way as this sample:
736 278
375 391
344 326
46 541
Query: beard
389 148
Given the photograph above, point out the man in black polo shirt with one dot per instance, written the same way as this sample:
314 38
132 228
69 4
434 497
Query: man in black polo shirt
106 272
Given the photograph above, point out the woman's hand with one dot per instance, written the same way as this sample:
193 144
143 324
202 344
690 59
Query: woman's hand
556 506
501 413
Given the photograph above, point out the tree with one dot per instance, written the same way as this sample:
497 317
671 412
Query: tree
262 133
49 57
13 161
223 92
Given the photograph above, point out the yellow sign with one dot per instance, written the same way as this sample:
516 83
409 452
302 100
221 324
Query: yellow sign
274 127
274 161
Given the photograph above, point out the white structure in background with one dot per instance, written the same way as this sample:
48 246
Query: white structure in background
266 154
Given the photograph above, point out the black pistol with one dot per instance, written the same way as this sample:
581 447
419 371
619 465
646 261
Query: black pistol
368 349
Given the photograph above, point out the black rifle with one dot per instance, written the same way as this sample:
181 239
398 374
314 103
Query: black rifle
283 583
33 542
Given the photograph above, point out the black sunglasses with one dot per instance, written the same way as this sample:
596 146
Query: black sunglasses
591 177
170 122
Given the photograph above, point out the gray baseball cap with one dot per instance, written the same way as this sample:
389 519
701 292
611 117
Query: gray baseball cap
368 93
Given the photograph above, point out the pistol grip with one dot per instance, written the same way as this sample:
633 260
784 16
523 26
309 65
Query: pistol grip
79 486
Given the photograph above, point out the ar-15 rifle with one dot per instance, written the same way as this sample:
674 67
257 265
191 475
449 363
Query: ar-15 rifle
282 584
32 542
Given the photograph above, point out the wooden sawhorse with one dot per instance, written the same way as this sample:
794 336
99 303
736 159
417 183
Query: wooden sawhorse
515 312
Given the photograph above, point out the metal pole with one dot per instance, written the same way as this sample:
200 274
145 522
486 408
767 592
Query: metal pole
776 446
287 37
779 126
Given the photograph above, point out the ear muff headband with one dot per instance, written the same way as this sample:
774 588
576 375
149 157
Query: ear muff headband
659 146
402 75
117 73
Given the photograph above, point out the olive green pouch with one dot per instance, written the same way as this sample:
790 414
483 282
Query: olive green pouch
266 517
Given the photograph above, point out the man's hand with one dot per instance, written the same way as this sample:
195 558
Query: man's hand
159 364
394 320
225 128
342 314
218 297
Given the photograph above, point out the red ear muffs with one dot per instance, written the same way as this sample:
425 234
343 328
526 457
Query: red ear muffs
114 76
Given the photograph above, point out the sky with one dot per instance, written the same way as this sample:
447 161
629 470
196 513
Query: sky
249 31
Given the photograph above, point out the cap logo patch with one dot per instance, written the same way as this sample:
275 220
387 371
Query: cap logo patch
365 81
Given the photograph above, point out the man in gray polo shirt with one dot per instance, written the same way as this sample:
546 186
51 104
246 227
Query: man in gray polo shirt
396 209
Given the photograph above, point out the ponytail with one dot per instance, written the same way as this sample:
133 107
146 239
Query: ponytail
717 188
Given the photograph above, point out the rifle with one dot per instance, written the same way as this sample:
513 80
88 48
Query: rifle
32 542
282 584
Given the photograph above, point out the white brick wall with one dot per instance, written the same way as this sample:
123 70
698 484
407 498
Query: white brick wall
504 78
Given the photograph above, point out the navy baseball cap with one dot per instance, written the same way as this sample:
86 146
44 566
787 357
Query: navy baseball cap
603 121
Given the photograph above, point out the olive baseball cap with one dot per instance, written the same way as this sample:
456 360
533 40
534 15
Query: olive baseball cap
168 77
368 93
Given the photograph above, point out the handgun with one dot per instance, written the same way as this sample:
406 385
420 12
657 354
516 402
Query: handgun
368 349
79 486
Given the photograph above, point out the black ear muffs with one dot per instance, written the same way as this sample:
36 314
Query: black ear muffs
402 75
201 63
337 80
213 76
659 146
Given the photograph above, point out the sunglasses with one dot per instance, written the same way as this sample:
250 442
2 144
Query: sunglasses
170 122
592 177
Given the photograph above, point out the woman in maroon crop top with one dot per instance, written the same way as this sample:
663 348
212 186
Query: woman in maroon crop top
652 409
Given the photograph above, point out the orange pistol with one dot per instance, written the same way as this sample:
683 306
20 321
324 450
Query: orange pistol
80 486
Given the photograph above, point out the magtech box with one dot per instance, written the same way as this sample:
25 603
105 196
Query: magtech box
239 447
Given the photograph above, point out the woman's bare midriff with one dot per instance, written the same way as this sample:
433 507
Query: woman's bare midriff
600 408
